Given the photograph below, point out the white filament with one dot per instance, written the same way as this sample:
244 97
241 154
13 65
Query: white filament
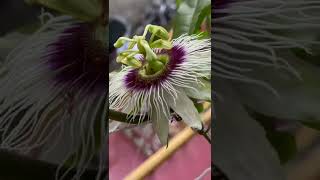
243 38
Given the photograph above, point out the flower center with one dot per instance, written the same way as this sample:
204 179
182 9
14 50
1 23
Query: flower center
153 69
79 58
153 63
138 79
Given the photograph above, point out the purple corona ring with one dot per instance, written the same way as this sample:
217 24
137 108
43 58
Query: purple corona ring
134 81
78 58
183 77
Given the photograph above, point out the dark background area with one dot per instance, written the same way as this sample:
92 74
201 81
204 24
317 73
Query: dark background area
15 14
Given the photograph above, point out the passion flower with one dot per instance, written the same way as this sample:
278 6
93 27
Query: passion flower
161 75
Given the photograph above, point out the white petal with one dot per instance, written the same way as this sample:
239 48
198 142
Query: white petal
114 126
200 91
185 108
161 126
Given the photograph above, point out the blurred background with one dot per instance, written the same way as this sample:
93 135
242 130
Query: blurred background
130 147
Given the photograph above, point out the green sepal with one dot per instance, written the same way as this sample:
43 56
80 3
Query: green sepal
121 41
163 44
158 31
144 46
130 61
131 45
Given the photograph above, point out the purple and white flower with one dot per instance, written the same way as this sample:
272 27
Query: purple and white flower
152 96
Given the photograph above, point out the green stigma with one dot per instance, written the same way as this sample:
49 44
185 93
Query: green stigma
159 38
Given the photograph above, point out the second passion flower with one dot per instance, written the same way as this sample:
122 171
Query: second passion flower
162 75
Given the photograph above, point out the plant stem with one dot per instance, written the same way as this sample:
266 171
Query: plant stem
122 117
205 135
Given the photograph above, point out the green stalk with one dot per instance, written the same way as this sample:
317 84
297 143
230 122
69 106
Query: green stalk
122 117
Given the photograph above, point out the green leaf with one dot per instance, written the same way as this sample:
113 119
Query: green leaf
312 124
189 13
178 2
241 148
205 13
284 144
86 10
204 35
298 100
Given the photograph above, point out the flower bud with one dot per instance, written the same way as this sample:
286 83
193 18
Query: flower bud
130 61
163 44
159 31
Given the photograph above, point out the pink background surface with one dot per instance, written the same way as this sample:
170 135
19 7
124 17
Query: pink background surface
186 164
